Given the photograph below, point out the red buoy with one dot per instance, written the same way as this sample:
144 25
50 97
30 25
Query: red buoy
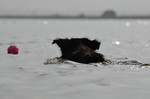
12 49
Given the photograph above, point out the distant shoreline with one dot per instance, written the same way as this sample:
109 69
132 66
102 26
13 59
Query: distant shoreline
72 17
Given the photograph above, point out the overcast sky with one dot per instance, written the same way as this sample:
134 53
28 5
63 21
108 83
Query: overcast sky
125 7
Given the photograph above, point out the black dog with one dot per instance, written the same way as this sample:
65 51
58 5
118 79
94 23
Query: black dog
80 50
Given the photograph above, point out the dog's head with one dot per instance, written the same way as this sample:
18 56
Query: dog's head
70 44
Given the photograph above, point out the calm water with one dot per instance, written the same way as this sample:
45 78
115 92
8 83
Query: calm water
24 76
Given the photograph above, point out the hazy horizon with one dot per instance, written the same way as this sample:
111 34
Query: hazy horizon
74 7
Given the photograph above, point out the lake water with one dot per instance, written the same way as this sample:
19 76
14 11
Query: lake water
24 76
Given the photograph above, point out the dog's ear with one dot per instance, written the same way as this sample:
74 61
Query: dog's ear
59 42
54 41
96 44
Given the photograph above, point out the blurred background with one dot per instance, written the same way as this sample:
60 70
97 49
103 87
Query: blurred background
32 25
75 8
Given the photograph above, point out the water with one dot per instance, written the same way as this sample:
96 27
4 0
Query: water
24 76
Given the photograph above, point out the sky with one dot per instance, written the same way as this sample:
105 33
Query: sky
96 7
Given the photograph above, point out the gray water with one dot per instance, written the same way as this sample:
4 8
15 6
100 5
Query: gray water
24 76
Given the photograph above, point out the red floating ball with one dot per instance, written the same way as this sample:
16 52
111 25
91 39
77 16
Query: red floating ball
12 49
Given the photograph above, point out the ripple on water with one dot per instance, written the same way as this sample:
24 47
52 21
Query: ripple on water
1 44
26 51
31 42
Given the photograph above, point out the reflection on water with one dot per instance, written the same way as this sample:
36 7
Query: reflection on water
116 42
134 68
147 45
143 22
45 22
127 24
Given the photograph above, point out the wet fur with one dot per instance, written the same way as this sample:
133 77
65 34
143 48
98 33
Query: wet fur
80 50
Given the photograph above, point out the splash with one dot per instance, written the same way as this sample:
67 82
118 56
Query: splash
59 60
